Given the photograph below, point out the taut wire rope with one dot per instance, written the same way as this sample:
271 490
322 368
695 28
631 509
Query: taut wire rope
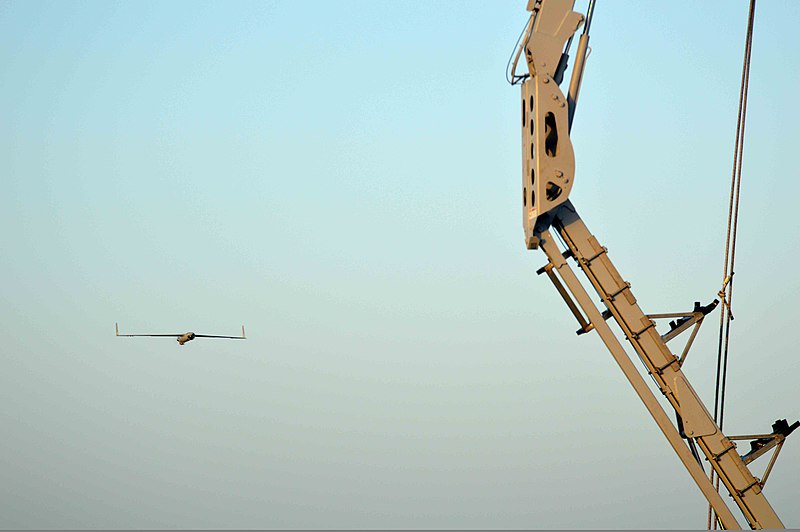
726 292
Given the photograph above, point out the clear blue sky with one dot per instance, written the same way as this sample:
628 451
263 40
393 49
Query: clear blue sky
343 178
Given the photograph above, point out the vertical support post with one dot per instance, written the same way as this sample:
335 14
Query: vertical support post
580 65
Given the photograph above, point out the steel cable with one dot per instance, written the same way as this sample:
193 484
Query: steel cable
726 292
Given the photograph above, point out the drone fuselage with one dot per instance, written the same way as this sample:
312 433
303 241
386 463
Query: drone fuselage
189 336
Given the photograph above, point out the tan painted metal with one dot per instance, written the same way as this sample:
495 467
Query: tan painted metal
553 253
664 368
548 174
547 157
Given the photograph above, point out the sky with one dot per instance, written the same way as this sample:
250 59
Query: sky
342 178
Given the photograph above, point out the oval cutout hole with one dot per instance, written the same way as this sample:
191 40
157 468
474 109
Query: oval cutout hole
553 191
550 135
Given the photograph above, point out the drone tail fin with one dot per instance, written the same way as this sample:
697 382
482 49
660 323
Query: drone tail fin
116 328
243 336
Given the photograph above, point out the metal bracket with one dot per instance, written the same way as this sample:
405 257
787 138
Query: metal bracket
591 259
761 443
684 321
612 297
719 455
586 326
637 335
751 486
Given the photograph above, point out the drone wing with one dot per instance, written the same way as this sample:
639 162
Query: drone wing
242 337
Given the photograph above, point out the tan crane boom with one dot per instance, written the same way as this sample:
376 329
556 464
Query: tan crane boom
548 174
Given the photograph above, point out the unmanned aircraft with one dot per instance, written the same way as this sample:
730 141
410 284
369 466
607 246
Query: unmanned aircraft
185 337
